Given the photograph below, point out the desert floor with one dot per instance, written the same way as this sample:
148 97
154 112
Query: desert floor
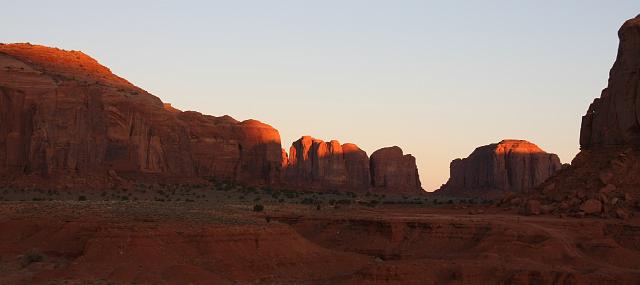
215 236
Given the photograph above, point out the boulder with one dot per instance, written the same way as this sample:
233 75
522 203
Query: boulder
591 206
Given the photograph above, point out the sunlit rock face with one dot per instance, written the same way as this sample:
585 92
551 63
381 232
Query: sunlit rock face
331 166
394 172
327 165
614 118
67 120
510 165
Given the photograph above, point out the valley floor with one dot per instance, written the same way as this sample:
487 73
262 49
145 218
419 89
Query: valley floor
153 242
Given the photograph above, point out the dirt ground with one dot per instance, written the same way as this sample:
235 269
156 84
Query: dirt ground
218 238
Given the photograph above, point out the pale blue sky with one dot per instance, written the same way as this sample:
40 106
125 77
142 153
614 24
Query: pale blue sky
437 78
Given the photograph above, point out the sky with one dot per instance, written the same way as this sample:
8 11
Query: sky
437 78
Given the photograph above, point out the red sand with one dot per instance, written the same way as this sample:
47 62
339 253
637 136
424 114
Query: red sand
192 243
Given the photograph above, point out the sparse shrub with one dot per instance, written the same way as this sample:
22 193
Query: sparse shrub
344 201
33 256
373 203
258 208
82 198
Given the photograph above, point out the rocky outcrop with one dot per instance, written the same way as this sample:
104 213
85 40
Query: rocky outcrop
614 118
327 165
66 120
510 165
394 172
604 178
320 165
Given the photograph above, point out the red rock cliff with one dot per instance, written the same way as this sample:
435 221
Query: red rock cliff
64 118
330 166
614 118
327 165
394 172
604 177
511 165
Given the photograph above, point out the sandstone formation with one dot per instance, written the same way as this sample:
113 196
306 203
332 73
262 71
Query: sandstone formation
510 165
316 164
614 118
393 171
604 178
66 120
327 165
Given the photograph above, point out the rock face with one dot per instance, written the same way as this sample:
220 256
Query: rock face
393 171
510 165
67 120
325 165
331 166
604 178
614 118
